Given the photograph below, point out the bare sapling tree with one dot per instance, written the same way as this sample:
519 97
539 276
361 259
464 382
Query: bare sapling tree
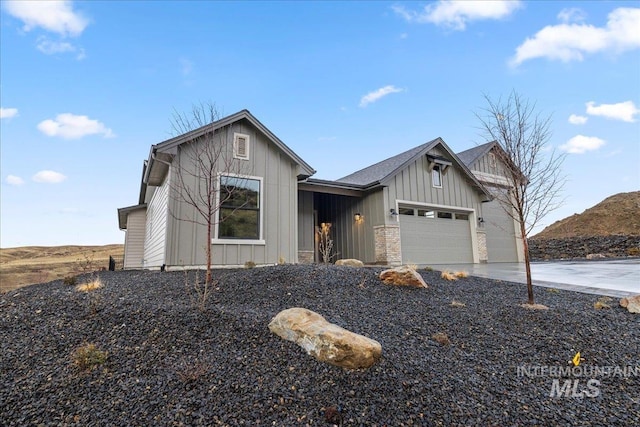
533 170
196 175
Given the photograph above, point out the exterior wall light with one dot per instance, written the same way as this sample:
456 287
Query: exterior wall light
357 217
393 212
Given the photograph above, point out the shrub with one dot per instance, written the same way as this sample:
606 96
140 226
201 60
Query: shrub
602 303
447 275
70 280
88 356
553 290
91 285
249 264
282 260
441 338
427 268
455 303
412 267
461 274
633 251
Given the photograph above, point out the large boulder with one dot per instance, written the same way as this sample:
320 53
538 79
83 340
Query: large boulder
325 341
632 304
403 276
350 262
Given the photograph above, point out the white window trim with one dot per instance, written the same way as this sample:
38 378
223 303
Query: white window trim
439 173
236 136
260 240
433 206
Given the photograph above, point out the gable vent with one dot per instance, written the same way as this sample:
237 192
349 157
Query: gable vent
241 146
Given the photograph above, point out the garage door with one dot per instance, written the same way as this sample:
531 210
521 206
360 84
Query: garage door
501 241
435 237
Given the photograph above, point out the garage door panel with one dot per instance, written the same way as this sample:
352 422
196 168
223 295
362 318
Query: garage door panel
435 240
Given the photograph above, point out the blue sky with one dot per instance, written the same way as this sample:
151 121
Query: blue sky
87 87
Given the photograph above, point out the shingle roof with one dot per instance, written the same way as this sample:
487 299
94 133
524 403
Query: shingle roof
381 170
472 154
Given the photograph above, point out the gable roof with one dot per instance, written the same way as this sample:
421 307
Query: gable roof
163 151
388 168
378 172
469 156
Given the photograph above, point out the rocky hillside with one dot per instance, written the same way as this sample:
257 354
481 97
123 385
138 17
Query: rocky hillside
610 229
615 215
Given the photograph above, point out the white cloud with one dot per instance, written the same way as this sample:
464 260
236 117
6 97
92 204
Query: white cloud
55 16
14 180
580 144
572 14
570 41
575 119
624 111
71 126
456 14
372 97
49 177
7 113
50 47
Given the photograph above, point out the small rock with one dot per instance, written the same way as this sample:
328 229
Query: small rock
595 256
632 304
403 276
325 341
350 262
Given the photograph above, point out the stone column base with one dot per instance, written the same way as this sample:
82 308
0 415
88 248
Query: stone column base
483 255
387 244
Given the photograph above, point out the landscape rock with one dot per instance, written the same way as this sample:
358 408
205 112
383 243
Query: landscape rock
325 341
596 256
632 304
350 262
403 276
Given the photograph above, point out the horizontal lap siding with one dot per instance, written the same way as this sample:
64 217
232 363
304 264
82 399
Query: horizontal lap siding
156 229
134 239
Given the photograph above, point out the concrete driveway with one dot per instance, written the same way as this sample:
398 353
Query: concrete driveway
616 278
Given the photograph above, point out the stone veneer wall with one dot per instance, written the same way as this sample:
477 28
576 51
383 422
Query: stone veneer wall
387 244
305 257
483 255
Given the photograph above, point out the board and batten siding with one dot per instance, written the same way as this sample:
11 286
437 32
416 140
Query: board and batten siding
306 231
414 183
134 239
156 227
279 208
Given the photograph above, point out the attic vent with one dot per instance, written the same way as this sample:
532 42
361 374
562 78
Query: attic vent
241 146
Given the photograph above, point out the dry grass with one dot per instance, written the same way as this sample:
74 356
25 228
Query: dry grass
88 356
461 274
441 338
39 264
412 267
447 275
455 303
602 303
91 285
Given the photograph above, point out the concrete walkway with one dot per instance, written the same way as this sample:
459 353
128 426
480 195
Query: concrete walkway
616 278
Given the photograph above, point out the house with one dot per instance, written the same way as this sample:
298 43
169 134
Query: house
424 206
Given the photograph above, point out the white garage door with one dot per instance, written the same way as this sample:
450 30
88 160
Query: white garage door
435 237
501 240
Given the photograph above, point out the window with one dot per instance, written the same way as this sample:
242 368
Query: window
426 213
445 215
436 176
462 217
241 146
406 211
239 213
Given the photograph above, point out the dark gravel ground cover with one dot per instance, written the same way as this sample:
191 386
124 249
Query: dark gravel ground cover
171 364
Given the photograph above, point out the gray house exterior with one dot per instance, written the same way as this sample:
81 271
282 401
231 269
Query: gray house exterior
424 206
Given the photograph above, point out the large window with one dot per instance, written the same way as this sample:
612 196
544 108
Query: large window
239 214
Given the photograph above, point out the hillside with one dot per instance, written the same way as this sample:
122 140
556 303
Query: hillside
38 264
615 215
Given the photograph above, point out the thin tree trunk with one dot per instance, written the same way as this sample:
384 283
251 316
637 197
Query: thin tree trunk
208 275
527 264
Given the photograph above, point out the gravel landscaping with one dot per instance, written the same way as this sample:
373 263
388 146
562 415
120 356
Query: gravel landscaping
169 363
